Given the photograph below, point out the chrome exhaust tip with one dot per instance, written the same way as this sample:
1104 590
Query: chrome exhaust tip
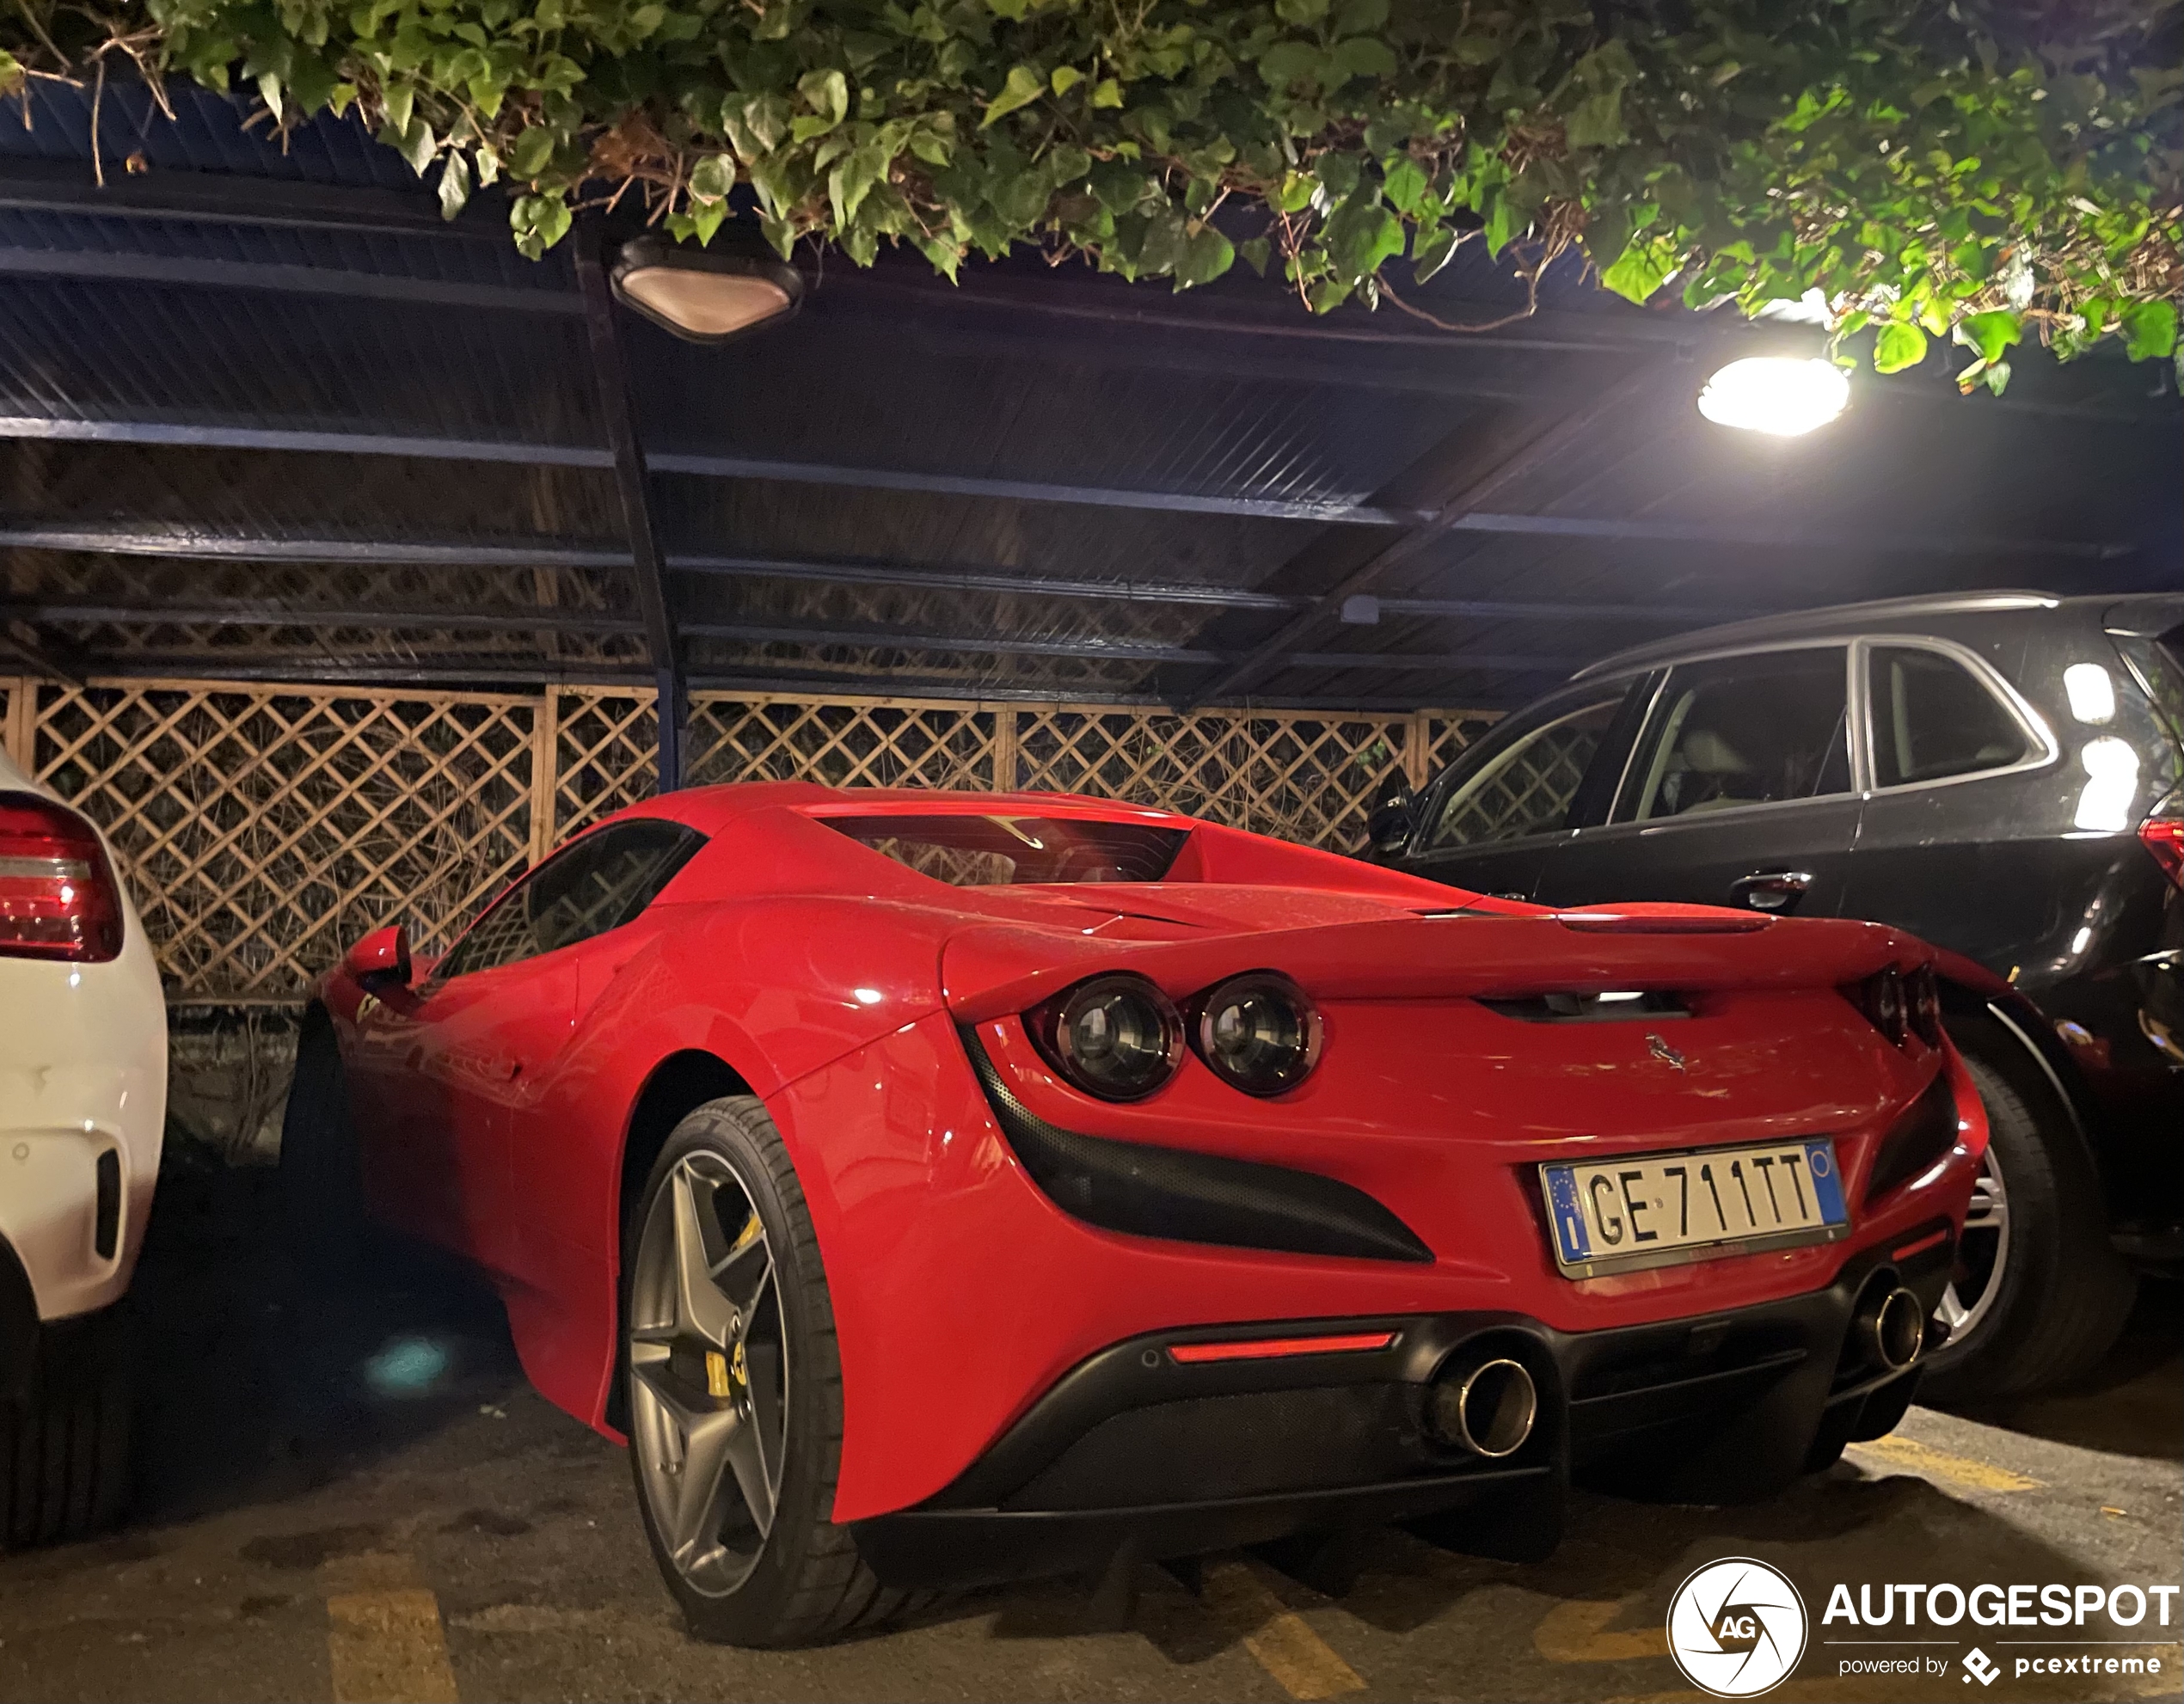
1489 1407
1891 1330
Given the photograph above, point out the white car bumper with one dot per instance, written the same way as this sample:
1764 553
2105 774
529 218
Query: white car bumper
83 1075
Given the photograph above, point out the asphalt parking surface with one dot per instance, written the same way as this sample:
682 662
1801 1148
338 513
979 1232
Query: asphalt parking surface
367 1502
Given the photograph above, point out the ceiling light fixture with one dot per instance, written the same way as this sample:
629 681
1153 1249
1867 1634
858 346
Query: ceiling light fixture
1775 394
705 295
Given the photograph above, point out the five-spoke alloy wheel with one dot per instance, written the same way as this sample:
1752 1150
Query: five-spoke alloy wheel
733 1389
709 1374
1983 1253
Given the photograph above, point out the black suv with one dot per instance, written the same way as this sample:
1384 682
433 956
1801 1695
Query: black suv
2000 772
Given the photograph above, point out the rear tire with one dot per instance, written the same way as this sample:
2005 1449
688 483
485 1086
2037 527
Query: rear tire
2049 1304
321 1173
793 1578
65 1467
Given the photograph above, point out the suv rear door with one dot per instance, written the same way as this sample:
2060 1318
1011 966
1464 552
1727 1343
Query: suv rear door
1959 841
1738 792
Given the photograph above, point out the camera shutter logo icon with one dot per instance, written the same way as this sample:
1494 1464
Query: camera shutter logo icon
1736 1628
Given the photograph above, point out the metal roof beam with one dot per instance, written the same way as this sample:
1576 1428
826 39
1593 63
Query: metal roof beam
194 543
237 198
198 544
283 279
268 614
1339 511
455 671
1546 447
1411 662
224 436
241 614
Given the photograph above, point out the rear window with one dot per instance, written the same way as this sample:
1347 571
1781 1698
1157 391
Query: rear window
2167 678
967 851
1933 718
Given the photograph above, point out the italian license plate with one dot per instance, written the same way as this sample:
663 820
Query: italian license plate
1663 1210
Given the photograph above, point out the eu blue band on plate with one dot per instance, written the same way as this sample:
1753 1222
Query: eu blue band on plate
1827 1187
1570 1235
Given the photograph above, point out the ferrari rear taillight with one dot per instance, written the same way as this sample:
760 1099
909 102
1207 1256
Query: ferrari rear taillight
58 898
1922 995
1902 1003
1881 998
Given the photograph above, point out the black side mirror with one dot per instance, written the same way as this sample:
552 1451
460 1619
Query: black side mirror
1388 827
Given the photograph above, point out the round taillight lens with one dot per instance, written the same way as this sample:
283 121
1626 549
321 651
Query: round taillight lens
1117 1037
1925 996
1260 1033
1890 1014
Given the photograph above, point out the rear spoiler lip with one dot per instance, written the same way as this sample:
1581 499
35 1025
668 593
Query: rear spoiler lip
1638 921
991 971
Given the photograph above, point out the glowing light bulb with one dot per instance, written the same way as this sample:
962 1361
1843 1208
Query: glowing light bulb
1775 395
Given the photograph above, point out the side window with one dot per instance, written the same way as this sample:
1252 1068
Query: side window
1744 731
1932 717
1527 786
599 883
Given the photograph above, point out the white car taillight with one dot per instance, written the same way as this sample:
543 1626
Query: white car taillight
58 896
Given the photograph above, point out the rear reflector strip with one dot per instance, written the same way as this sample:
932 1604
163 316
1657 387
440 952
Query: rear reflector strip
1277 1348
1919 1246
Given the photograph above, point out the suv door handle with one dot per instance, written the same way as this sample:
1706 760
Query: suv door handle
1771 890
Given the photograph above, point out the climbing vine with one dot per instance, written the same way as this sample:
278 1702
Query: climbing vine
1986 171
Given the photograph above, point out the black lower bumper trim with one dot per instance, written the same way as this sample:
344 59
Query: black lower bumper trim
1135 1448
982 1546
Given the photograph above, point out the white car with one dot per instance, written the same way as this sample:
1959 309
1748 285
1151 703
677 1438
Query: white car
83 1108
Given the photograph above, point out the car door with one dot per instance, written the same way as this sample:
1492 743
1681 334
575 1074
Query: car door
1738 792
434 1166
1958 840
496 1019
1490 822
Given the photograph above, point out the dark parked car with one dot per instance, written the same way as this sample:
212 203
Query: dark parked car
1999 773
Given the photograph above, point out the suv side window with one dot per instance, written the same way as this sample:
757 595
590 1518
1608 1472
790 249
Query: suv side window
1529 786
1933 718
596 884
1737 731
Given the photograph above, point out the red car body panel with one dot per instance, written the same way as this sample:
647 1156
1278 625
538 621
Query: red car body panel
493 1108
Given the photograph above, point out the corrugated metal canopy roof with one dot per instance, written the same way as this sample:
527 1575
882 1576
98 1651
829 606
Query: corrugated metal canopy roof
266 413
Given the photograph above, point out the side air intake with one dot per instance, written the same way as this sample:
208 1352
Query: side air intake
1144 1191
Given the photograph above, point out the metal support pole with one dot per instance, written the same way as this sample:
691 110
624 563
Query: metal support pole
673 707
618 415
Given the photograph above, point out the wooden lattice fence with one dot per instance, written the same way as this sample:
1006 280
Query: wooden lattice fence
262 827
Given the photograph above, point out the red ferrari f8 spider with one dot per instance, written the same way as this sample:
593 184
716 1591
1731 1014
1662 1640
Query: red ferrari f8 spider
935 1188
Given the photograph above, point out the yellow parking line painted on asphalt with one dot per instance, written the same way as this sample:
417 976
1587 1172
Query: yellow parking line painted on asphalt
1285 1644
1575 1631
384 1644
1929 1464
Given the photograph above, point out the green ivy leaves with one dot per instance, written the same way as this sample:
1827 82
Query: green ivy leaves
1899 345
1970 170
